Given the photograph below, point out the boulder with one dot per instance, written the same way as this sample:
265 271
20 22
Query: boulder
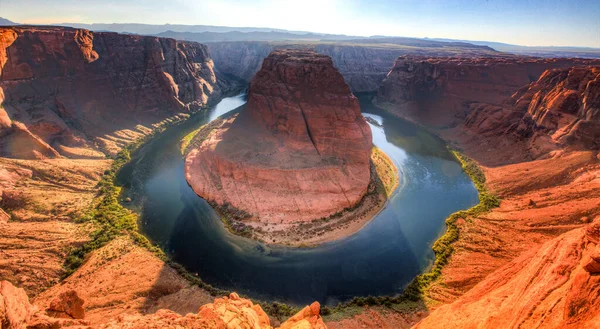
67 305
15 309
308 317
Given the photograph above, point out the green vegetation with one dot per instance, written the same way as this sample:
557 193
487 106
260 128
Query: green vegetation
443 246
279 310
196 138
185 141
386 170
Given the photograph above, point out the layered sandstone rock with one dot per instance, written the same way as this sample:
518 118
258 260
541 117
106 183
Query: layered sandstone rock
555 286
560 110
308 317
299 151
62 89
439 91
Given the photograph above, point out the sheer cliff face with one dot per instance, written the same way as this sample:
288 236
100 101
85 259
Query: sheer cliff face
302 100
63 88
299 151
439 91
363 66
239 59
561 109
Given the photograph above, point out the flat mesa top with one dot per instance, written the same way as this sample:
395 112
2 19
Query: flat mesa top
299 56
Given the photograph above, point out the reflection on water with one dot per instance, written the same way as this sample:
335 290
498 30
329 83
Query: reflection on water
380 259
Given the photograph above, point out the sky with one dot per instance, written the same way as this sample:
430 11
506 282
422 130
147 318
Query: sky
522 22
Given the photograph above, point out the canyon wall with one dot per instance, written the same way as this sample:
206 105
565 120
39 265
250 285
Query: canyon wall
240 59
539 150
298 152
559 110
438 91
363 66
66 91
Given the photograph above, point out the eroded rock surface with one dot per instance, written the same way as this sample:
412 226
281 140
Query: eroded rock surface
439 91
65 91
16 312
551 287
559 110
299 151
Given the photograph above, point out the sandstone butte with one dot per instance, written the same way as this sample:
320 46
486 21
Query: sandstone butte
299 151
76 93
67 311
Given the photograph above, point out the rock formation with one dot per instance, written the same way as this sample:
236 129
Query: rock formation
15 309
67 305
555 286
438 91
559 110
299 151
63 89
17 312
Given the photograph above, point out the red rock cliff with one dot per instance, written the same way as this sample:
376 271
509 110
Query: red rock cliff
299 151
561 109
438 91
71 88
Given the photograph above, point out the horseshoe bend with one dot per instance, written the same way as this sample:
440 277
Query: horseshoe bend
227 177
299 151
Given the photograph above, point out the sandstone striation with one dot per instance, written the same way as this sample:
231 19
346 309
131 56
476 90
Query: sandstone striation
438 92
15 309
299 151
559 110
551 287
64 90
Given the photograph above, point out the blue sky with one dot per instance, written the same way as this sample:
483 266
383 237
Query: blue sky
524 22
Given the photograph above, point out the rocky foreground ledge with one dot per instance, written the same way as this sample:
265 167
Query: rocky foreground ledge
299 152
67 311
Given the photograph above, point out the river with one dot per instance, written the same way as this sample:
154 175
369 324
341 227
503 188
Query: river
378 260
